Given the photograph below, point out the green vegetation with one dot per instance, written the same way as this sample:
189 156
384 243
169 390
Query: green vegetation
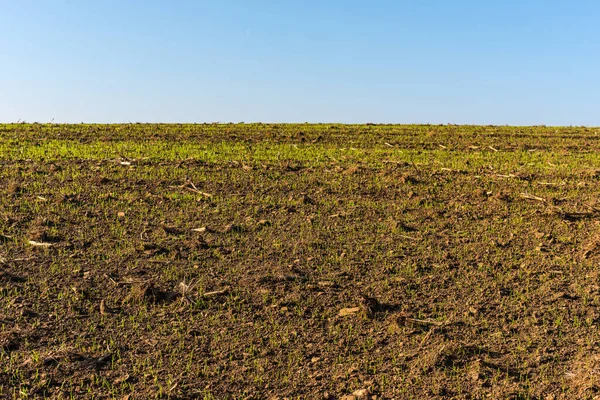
299 261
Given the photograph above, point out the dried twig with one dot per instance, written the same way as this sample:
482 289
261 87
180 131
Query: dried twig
39 244
111 279
4 260
532 197
195 189
216 292
407 237
128 282
189 185
426 338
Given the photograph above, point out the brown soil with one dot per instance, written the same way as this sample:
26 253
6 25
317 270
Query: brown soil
286 279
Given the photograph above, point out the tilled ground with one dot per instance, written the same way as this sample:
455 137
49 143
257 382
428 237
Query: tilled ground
359 272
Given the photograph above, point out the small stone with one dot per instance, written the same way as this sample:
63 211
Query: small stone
348 311
474 371
360 393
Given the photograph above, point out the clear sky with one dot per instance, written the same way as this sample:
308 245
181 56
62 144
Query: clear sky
517 62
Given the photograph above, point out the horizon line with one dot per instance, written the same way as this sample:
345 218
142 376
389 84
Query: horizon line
19 122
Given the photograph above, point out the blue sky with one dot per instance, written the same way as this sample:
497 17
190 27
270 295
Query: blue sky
423 61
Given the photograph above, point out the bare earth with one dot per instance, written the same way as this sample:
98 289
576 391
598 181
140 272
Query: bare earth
299 261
